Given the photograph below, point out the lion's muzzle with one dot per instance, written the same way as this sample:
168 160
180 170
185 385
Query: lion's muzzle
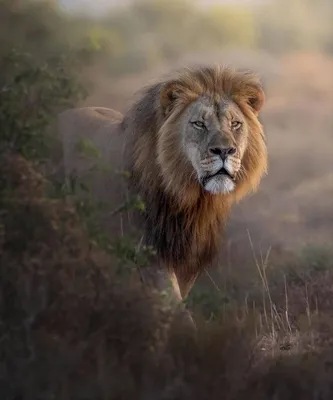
222 171
218 174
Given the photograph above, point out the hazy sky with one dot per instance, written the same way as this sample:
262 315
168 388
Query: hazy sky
98 6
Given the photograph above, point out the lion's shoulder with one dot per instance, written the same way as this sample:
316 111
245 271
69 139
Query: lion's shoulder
90 115
95 123
99 125
103 113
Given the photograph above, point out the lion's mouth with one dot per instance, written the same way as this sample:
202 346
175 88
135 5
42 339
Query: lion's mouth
222 171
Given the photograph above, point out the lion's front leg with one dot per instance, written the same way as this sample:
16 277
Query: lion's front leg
162 280
165 280
186 282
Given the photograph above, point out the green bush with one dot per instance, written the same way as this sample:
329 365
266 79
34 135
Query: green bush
30 97
210 303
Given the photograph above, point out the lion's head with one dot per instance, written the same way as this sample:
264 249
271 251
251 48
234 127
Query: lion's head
197 133
210 135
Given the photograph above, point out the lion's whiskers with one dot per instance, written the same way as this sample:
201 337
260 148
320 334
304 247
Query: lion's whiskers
242 173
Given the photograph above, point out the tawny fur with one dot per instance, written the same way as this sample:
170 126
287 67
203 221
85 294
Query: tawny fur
182 221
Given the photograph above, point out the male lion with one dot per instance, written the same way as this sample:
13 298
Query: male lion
194 146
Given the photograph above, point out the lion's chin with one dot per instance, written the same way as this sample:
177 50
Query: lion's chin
219 184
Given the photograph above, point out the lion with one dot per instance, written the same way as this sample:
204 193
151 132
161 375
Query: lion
194 146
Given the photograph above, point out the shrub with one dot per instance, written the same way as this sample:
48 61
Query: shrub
30 97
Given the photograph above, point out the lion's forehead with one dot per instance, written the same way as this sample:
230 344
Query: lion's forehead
202 110
207 109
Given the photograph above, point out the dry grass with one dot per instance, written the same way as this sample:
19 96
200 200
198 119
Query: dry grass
71 329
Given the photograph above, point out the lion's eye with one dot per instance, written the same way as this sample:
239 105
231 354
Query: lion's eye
236 125
198 124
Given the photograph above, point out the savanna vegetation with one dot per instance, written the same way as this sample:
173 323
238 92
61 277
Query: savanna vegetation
75 322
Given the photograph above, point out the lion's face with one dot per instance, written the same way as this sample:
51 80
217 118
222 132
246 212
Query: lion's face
214 138
210 135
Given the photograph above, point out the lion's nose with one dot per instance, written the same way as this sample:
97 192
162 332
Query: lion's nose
222 152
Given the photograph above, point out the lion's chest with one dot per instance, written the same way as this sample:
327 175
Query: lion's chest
183 238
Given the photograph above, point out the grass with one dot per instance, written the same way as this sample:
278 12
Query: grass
72 327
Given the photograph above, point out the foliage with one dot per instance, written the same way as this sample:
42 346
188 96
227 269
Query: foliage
210 303
38 81
71 329
30 95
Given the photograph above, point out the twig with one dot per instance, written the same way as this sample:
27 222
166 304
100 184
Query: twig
212 280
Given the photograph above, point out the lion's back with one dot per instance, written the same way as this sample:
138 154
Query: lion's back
83 131
94 124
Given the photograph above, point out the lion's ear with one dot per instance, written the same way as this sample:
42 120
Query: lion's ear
255 96
170 93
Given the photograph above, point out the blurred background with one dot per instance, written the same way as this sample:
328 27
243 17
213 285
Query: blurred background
115 47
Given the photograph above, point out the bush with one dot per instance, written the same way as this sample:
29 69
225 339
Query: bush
30 97
75 321
70 328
